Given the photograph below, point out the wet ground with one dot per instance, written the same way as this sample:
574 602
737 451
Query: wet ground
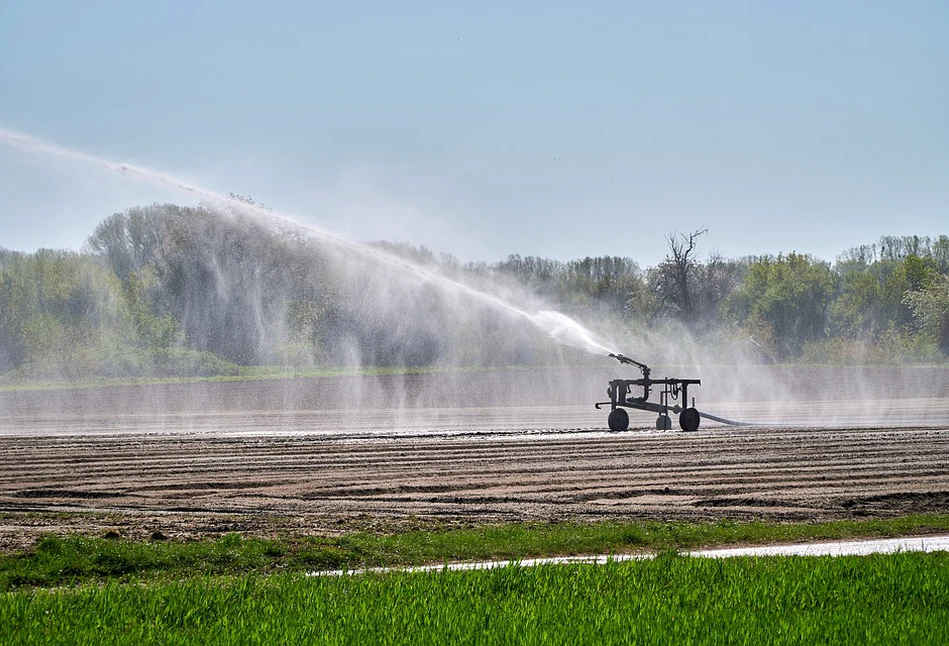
327 455
832 548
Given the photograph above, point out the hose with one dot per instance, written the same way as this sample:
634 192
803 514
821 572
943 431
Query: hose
731 422
723 420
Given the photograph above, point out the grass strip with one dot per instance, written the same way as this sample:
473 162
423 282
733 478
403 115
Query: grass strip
73 560
881 599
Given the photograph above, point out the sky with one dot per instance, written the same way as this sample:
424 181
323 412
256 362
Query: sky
551 129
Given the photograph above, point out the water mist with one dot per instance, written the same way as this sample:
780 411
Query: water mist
559 327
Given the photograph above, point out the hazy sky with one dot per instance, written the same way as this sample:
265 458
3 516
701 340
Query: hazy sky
542 128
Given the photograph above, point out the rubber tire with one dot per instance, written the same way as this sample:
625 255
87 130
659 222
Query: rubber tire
689 420
663 423
618 419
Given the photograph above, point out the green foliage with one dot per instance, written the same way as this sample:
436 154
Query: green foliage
603 283
130 240
930 307
893 599
872 320
57 561
54 307
151 331
896 248
860 309
74 559
791 294
182 291
890 347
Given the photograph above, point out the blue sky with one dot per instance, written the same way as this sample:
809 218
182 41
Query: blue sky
552 129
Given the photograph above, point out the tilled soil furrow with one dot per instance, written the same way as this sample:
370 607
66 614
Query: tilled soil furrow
312 467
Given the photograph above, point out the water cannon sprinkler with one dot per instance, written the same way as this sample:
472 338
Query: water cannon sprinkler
673 391
622 358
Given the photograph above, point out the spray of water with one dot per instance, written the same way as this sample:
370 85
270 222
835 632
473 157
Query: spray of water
557 326
756 392
567 331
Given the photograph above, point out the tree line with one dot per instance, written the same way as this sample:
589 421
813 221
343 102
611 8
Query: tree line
176 290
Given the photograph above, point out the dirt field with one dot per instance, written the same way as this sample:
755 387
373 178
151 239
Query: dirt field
311 456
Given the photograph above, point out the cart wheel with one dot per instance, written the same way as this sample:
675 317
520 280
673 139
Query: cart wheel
663 423
618 419
689 420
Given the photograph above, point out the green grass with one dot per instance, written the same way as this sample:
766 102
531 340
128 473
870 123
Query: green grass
893 599
75 560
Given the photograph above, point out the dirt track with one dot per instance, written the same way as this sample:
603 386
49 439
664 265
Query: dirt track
197 471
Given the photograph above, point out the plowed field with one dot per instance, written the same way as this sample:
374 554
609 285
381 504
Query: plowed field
322 455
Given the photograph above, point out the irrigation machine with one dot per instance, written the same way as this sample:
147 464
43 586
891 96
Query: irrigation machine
673 399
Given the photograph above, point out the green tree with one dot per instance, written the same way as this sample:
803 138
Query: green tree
151 331
55 307
912 273
790 295
129 240
858 310
930 307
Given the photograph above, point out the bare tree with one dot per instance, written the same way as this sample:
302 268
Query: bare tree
681 264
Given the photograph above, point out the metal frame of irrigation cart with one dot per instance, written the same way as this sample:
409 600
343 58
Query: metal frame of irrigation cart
673 391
